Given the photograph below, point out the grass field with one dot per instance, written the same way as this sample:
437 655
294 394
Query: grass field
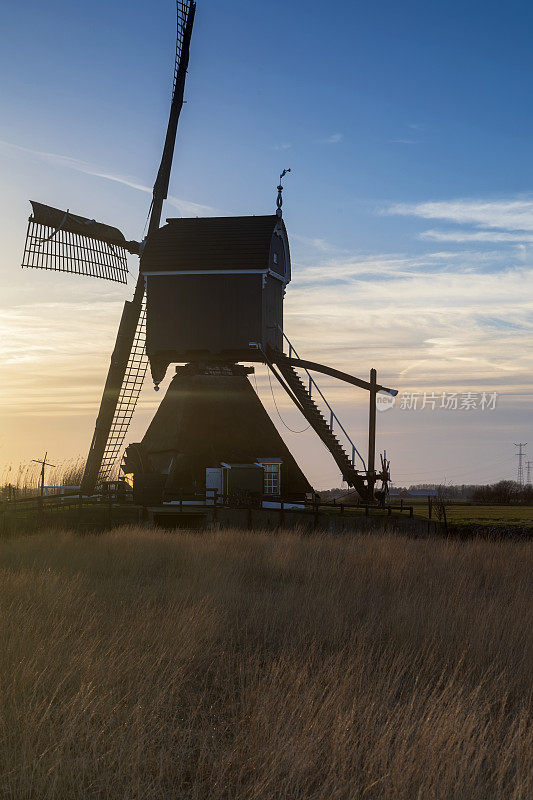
139 665
468 512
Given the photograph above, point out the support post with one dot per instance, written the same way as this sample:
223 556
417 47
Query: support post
445 519
372 429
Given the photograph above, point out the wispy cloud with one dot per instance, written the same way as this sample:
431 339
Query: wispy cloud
322 245
283 146
335 138
413 127
513 214
458 327
475 236
185 207
392 267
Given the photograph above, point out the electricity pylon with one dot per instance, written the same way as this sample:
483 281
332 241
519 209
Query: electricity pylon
520 454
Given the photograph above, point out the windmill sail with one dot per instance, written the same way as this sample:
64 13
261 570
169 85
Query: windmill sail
128 362
127 401
113 421
65 242
186 10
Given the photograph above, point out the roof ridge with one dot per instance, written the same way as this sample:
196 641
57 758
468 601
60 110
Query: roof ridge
238 217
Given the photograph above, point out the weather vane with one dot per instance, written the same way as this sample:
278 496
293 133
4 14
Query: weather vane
279 201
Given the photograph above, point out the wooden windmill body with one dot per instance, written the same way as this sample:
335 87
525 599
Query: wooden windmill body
209 297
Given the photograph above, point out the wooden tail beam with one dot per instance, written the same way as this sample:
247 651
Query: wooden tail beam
278 358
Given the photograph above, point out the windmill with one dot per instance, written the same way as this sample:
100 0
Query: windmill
209 296
43 464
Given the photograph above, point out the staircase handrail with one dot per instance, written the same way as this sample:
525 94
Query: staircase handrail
333 416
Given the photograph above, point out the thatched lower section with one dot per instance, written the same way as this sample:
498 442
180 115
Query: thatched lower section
205 420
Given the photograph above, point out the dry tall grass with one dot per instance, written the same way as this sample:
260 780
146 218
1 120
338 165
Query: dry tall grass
141 665
24 480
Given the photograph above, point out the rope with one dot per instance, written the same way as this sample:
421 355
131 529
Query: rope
277 409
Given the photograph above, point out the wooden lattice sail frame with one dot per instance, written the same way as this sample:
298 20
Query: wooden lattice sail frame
64 242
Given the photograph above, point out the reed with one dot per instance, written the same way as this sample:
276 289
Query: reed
228 665
23 480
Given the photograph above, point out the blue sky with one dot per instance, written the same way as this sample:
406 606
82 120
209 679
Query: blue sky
410 207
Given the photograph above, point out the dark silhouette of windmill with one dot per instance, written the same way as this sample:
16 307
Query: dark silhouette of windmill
209 296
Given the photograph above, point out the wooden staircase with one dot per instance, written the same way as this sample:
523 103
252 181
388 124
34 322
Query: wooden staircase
314 416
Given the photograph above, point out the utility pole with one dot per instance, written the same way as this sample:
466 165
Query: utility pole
372 432
520 454
528 465
44 463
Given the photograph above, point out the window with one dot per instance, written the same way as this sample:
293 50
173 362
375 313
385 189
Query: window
272 478
272 475
277 255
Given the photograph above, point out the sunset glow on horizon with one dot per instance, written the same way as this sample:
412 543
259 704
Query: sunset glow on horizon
409 211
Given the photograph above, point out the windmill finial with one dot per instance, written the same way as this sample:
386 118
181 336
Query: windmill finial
279 201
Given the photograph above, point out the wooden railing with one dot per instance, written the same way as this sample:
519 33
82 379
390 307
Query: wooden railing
101 512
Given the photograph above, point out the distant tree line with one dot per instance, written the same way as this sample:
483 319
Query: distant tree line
504 493
462 491
501 493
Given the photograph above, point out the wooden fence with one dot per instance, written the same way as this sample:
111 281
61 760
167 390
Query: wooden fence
101 512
